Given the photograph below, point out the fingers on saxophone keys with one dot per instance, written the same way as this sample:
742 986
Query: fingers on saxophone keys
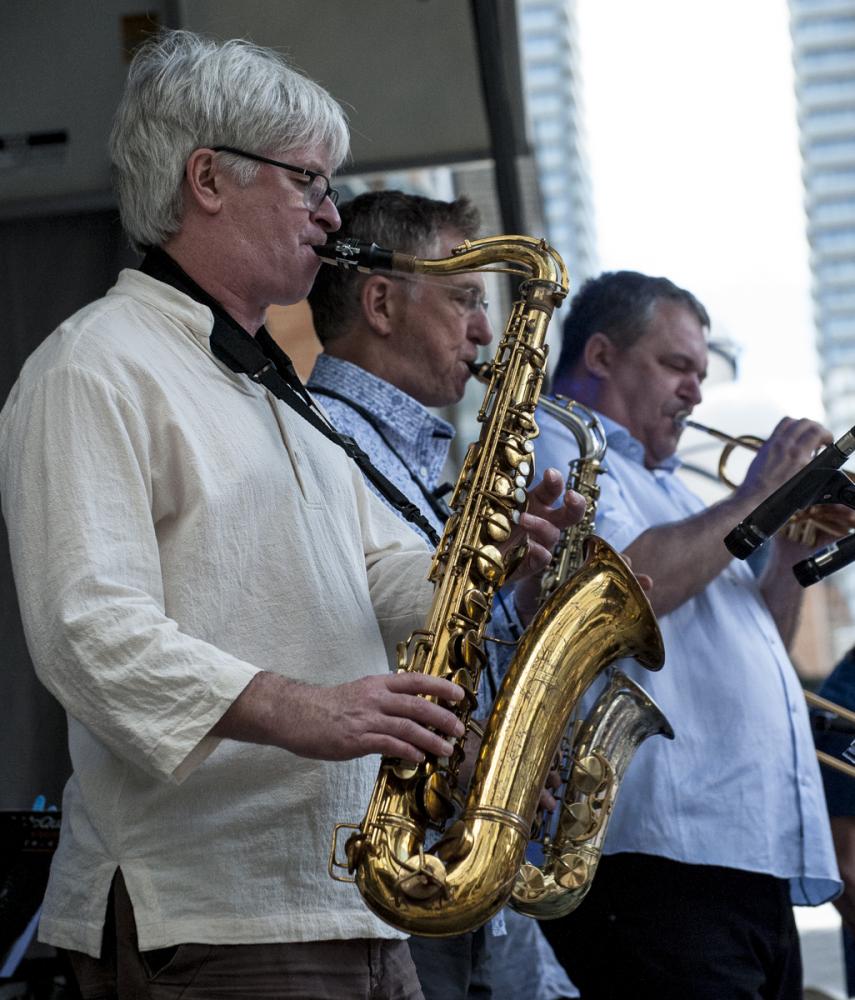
547 802
548 489
408 739
412 682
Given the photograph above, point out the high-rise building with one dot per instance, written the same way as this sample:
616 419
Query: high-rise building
553 101
823 34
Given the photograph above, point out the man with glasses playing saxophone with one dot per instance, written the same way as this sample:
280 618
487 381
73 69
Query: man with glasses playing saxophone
206 583
717 833
395 345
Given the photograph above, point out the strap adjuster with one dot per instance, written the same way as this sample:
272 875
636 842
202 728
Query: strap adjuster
256 376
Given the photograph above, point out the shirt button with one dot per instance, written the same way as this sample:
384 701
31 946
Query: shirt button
423 471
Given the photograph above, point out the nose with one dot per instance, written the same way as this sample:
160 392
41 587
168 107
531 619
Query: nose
327 216
690 388
478 328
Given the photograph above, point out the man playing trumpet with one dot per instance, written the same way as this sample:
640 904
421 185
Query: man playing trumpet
716 834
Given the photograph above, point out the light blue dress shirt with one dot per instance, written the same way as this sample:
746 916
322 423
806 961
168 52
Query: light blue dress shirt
739 786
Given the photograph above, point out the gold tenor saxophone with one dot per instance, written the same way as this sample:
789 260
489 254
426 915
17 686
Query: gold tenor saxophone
597 616
624 715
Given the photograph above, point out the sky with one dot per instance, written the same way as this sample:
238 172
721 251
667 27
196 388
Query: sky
690 115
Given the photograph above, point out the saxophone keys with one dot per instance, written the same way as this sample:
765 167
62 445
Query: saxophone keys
571 870
497 526
405 771
502 485
578 821
518 451
437 798
489 564
530 883
588 774
515 557
456 843
476 605
467 653
355 849
465 679
428 879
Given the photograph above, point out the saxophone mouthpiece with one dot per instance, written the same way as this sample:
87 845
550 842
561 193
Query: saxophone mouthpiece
365 257
481 370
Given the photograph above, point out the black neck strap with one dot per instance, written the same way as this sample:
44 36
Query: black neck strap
262 359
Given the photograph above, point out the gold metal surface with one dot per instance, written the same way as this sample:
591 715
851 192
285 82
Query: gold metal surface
470 874
621 719
591 761
596 616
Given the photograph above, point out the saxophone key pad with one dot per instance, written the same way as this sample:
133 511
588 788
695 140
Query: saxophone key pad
489 563
497 526
572 870
437 798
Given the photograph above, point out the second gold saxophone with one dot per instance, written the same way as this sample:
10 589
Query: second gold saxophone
593 759
597 616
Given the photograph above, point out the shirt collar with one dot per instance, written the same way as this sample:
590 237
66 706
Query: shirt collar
393 408
623 443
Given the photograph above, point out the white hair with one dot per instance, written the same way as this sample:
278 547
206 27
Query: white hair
186 92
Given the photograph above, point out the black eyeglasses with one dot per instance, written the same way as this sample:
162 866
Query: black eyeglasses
314 192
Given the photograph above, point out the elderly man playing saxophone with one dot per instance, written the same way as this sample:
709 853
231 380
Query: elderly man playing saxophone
206 583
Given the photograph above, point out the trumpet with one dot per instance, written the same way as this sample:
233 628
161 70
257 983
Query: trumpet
804 526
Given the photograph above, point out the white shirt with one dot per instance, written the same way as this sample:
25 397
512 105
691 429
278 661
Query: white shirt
739 786
174 529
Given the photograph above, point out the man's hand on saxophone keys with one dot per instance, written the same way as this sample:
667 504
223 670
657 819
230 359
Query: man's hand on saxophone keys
540 527
384 713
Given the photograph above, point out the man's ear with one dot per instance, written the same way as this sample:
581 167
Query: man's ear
203 181
380 304
599 355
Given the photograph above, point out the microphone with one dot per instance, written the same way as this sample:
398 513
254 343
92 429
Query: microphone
365 257
818 482
825 562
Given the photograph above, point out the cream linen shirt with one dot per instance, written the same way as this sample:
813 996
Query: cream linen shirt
174 529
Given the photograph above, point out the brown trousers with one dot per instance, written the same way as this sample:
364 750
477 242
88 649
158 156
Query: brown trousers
360 969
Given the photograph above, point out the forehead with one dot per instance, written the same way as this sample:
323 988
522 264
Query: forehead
674 328
442 246
314 157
